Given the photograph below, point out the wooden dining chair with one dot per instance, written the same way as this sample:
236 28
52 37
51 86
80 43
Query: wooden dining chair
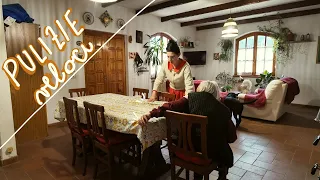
164 96
107 143
78 91
182 151
139 91
77 132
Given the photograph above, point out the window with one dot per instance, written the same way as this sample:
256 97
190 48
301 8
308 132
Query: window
162 55
254 54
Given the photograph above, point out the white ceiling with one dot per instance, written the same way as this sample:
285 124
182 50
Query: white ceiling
138 4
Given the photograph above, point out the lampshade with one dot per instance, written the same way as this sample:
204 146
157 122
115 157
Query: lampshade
230 29
104 1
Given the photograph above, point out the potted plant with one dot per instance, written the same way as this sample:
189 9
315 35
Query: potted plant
282 37
225 81
154 49
264 79
226 49
184 41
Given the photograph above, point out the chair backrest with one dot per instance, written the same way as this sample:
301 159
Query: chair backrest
183 124
163 96
139 91
78 91
94 113
72 115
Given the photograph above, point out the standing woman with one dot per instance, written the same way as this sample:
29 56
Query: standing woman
177 71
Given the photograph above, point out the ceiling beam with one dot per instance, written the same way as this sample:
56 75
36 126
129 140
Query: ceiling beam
109 4
256 11
210 9
265 18
164 5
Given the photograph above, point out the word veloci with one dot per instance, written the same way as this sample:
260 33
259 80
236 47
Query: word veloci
60 76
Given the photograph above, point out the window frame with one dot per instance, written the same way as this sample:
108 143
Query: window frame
255 48
161 34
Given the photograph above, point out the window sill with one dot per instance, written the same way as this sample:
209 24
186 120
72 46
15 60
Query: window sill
247 76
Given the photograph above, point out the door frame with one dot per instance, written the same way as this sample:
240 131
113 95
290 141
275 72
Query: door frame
101 33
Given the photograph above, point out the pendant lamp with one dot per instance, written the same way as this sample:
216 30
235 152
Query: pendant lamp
230 29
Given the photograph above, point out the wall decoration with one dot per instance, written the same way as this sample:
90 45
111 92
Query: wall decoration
132 55
130 39
120 23
216 56
105 18
139 36
318 51
88 18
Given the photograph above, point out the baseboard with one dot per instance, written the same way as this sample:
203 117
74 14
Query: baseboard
9 161
306 106
58 124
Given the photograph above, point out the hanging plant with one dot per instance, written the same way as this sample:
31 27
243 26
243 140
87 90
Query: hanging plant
154 49
282 37
226 49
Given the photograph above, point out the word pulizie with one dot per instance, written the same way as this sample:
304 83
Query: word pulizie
60 76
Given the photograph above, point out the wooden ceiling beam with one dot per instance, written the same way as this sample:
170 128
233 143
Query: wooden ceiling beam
265 18
253 12
164 5
211 9
109 4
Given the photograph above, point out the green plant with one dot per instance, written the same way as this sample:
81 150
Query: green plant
225 81
226 88
264 79
154 49
226 49
282 37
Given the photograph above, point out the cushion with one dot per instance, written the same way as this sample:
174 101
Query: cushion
116 138
194 160
85 132
273 88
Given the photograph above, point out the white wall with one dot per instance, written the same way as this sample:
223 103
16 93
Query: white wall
6 119
303 67
46 11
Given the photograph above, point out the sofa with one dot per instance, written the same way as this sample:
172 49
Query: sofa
275 94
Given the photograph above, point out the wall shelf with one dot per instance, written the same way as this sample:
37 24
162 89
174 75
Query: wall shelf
300 41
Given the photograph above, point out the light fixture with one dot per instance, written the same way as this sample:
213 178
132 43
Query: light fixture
230 29
104 1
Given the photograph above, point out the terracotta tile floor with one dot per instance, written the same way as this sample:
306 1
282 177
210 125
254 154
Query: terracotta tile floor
264 150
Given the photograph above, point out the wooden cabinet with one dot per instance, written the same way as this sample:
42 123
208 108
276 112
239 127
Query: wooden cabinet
18 37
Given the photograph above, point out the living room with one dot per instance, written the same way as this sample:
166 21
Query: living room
230 42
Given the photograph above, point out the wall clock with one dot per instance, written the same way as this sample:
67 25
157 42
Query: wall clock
88 18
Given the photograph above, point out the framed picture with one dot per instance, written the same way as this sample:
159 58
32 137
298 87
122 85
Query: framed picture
139 37
216 56
318 51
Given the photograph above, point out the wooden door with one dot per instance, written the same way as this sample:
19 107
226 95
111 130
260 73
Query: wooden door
18 37
116 65
106 71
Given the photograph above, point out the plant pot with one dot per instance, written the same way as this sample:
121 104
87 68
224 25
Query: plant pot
290 37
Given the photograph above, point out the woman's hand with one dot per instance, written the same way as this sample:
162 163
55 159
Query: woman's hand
153 96
144 119
151 99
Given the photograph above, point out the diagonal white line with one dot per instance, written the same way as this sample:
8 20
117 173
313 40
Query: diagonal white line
73 75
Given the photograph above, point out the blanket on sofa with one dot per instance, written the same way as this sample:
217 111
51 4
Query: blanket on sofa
292 90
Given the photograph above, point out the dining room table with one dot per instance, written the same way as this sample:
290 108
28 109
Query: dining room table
122 114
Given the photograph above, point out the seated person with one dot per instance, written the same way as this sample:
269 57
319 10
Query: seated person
221 129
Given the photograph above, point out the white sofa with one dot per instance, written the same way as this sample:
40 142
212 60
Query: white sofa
275 94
